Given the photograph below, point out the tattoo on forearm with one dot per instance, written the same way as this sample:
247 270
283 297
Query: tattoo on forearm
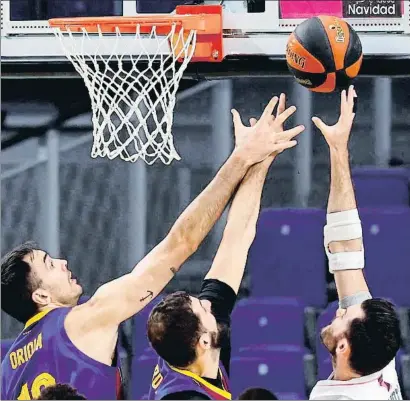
150 295
173 270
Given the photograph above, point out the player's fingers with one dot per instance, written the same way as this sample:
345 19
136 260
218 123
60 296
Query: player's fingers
271 121
319 123
354 92
350 98
281 105
280 147
354 103
285 115
343 102
237 122
267 113
291 133
252 121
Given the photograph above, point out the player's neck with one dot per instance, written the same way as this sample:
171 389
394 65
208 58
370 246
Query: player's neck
345 374
47 308
51 306
207 365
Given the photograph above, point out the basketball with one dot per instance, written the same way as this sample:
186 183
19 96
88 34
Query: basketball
324 53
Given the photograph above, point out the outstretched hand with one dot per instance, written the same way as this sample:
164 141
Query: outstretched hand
337 136
281 108
266 136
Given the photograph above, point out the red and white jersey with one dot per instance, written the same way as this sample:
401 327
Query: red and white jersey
382 385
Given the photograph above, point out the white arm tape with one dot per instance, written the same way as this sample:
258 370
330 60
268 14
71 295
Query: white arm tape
343 226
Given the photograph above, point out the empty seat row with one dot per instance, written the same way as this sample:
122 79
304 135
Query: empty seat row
381 187
287 256
279 368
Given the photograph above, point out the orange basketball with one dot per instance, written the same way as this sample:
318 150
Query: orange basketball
324 53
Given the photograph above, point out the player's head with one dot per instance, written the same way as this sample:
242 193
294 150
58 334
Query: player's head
182 329
32 280
364 338
60 392
257 393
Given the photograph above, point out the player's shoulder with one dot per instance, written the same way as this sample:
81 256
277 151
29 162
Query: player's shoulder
390 370
375 386
80 317
40 326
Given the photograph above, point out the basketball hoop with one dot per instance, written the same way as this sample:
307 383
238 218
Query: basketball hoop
132 67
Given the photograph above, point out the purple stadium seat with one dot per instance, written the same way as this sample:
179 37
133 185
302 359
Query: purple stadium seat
279 369
270 320
387 251
377 187
5 346
141 375
287 257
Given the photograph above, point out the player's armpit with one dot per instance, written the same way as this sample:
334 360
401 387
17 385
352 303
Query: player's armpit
221 296
122 298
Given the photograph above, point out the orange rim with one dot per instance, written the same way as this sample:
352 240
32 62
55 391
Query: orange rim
206 20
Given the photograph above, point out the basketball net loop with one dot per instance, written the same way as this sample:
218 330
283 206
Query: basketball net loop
132 108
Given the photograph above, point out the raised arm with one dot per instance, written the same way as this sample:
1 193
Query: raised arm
343 232
230 260
120 299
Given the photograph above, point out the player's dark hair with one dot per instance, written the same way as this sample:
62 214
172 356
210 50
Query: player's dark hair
257 393
60 392
374 339
18 283
174 329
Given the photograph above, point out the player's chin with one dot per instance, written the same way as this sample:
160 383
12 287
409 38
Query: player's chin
325 336
324 332
77 288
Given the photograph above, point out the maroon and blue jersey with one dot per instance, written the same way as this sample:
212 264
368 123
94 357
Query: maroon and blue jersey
43 355
169 380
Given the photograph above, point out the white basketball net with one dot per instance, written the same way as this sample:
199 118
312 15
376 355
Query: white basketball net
132 103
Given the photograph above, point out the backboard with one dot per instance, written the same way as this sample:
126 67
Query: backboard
254 34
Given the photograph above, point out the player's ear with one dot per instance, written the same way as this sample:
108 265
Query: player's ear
41 297
205 341
343 347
